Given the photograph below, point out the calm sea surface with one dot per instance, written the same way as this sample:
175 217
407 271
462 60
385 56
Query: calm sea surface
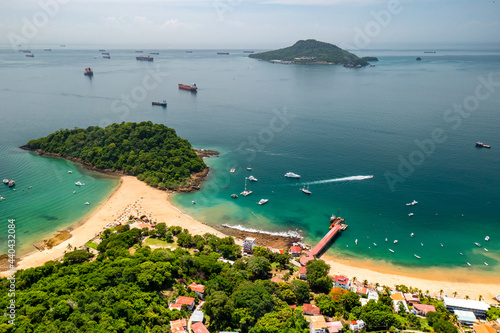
366 141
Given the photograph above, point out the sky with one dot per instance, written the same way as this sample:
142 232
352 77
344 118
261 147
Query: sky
250 24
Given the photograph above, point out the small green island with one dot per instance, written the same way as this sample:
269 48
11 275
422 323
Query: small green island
313 52
151 152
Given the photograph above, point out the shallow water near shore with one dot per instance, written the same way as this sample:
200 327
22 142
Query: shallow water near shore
341 129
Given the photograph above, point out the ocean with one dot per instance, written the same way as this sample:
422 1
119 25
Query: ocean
365 141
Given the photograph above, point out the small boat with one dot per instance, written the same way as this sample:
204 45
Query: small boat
442 245
78 183
421 244
487 238
12 183
291 175
413 203
47 49
106 57
306 190
88 72
164 103
193 202
482 145
395 241
224 53
477 244
30 55
485 249
70 171
232 170
234 196
189 51
105 53
386 239
30 187
139 51
74 192
249 169
410 215
156 53
252 178
485 263
412 234
417 256
375 244
461 253
391 250
356 241
192 87
87 203
263 201
245 193
248 51
142 58
102 50
468 264
5 181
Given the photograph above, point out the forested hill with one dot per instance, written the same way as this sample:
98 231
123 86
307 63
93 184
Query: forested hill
152 152
311 51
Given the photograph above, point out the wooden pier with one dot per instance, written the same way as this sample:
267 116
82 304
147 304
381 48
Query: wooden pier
337 225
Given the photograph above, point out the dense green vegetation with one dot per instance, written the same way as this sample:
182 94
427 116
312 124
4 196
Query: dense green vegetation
152 152
128 288
323 52
370 59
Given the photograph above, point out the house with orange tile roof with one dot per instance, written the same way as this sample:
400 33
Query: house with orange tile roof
341 281
303 273
189 302
178 326
310 310
199 328
295 251
397 299
199 289
483 328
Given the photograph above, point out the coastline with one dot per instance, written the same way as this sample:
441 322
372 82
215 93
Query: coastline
132 193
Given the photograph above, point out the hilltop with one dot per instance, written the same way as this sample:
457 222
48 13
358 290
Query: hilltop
311 51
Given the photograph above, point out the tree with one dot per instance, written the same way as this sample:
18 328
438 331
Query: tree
317 277
493 313
326 305
301 290
219 307
350 300
259 267
285 320
76 257
455 294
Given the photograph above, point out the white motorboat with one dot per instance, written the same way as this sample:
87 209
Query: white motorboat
486 249
486 263
468 264
232 170
74 192
391 250
487 238
306 190
70 171
413 203
417 256
421 244
356 241
477 244
395 241
375 244
412 234
87 203
442 245
78 183
292 175
410 215
5 181
386 239
461 253
252 178
263 201
249 169
193 202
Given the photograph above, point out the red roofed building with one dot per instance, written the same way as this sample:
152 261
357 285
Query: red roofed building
178 326
334 326
199 328
361 290
182 300
199 289
276 280
411 298
295 251
422 309
310 310
303 273
341 282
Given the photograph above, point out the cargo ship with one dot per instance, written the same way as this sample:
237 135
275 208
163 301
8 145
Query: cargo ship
164 103
30 55
482 145
192 87
225 53
143 58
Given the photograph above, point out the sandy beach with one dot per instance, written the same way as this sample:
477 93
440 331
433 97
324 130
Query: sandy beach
133 197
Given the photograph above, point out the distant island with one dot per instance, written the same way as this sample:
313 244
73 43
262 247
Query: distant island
311 51
151 152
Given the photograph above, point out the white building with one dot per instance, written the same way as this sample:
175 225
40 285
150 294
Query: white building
479 308
249 244
356 325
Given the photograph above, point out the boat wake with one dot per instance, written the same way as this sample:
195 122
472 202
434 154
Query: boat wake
343 179
289 233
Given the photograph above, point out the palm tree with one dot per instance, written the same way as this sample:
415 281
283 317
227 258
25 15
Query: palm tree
354 279
365 282
455 294
480 297
467 297
441 292
427 292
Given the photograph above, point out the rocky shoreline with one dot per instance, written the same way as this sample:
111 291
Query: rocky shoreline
280 242
194 182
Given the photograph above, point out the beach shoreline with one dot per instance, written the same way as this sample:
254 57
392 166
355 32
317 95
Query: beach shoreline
133 197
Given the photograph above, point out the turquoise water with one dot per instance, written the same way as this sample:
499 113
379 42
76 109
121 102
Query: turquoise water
336 127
